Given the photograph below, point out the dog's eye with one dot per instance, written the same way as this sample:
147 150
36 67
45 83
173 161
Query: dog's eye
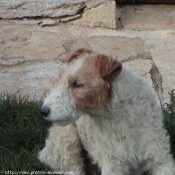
77 85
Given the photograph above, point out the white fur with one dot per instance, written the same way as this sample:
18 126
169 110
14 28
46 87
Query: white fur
124 137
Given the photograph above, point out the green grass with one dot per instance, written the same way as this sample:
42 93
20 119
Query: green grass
23 132
169 120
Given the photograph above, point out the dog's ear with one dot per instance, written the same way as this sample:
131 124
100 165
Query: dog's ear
108 68
78 53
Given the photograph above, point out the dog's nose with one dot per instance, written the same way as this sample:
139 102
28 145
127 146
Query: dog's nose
45 111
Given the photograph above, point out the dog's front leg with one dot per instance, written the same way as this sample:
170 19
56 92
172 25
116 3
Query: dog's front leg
163 168
62 151
159 161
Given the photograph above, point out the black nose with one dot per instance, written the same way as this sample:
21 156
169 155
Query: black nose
45 111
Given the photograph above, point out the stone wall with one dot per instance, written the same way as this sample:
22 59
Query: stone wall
36 36
90 13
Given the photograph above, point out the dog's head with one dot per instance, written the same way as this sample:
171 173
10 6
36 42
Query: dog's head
85 84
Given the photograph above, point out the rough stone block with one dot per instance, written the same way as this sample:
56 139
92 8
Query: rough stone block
10 9
103 15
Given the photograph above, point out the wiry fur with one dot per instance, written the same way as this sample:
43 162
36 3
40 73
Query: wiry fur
55 154
117 119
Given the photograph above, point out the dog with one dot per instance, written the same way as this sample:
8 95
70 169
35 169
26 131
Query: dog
101 105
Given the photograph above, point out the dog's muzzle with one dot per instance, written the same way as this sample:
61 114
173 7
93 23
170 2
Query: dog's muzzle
45 111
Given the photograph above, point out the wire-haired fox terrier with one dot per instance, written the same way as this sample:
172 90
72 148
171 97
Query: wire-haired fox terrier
104 107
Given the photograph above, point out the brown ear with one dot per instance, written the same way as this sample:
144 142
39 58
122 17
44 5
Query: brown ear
77 53
108 68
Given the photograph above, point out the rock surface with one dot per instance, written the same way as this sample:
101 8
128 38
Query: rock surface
31 56
100 13
38 8
148 17
30 49
103 15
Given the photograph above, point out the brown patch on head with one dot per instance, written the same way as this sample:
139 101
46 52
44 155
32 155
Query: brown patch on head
91 85
78 53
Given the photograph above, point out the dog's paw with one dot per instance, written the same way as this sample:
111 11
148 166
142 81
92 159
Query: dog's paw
44 156
48 157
